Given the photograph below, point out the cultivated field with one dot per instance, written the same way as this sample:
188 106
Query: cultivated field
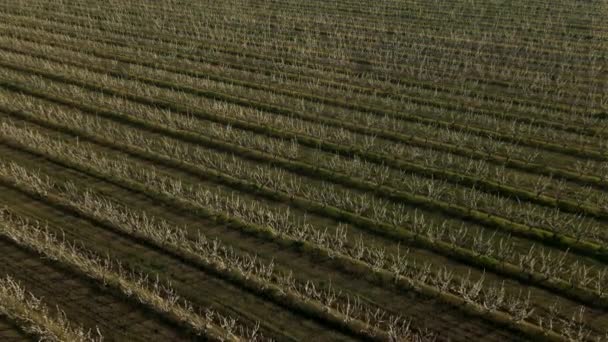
392 170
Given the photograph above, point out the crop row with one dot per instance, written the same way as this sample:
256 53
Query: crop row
331 83
380 148
149 181
582 134
534 13
396 195
33 316
534 166
564 205
422 8
274 181
317 64
582 130
255 214
238 52
329 147
260 57
525 6
260 172
243 270
382 160
181 195
353 32
158 297
296 168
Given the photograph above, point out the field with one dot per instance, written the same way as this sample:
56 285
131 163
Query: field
343 170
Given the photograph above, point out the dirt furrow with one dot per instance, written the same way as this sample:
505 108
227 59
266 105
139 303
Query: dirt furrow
9 332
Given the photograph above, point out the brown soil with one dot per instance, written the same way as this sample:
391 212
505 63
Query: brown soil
9 332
